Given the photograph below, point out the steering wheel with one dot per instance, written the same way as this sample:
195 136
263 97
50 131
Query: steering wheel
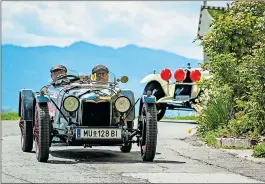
66 76
64 80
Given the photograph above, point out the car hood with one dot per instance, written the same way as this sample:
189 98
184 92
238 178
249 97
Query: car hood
93 94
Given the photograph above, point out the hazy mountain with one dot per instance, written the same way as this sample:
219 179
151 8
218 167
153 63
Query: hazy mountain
29 67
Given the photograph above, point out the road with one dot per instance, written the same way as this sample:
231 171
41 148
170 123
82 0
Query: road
176 162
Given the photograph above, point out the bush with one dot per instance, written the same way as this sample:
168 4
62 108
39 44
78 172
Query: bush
259 151
240 126
215 112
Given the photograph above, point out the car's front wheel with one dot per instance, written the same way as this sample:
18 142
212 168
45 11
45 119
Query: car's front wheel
149 131
42 132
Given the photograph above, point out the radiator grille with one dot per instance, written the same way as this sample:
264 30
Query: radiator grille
96 114
185 89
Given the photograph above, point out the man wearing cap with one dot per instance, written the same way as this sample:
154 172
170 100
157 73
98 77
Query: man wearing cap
58 71
102 73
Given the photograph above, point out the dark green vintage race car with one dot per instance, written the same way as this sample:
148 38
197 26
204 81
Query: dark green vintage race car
79 111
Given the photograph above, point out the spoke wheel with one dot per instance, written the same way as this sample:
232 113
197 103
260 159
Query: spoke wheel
42 132
26 139
161 110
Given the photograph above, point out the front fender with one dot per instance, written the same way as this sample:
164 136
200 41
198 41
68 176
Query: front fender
26 104
128 93
148 99
42 99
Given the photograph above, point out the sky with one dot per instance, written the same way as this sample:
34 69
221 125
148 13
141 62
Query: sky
170 26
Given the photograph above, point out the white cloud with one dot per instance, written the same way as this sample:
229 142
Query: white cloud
149 24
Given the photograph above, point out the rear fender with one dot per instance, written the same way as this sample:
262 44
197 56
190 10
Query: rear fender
26 104
27 101
128 93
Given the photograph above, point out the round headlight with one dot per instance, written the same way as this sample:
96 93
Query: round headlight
122 104
71 103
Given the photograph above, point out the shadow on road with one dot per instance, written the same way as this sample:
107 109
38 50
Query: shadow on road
101 157
61 162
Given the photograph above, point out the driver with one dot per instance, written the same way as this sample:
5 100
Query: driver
102 73
58 71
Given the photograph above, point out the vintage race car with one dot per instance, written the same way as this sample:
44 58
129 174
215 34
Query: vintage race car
79 111
179 94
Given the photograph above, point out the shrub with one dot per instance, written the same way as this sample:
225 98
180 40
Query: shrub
259 151
216 108
210 137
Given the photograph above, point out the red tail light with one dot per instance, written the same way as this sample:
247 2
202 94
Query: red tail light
180 75
165 74
195 75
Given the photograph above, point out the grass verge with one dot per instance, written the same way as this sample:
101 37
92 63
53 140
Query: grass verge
235 148
182 118
9 116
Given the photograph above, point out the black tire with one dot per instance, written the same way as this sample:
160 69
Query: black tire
26 136
51 132
51 137
42 132
149 132
127 148
159 93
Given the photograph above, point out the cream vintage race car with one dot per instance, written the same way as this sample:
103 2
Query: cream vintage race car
177 94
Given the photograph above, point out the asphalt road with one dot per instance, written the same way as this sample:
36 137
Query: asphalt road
175 162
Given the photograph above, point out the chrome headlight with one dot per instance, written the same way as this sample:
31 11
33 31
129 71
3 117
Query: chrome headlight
71 103
122 104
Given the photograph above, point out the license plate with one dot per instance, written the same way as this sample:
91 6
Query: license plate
102 133
182 98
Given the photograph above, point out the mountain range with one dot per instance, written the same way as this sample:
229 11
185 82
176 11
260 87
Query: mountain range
29 67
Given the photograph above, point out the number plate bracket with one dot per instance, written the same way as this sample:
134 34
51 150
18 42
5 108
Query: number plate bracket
98 133
182 98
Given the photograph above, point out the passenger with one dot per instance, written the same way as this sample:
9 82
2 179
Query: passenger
101 72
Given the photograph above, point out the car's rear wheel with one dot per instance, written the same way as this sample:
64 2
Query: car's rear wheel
127 147
157 91
26 128
148 140
42 132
